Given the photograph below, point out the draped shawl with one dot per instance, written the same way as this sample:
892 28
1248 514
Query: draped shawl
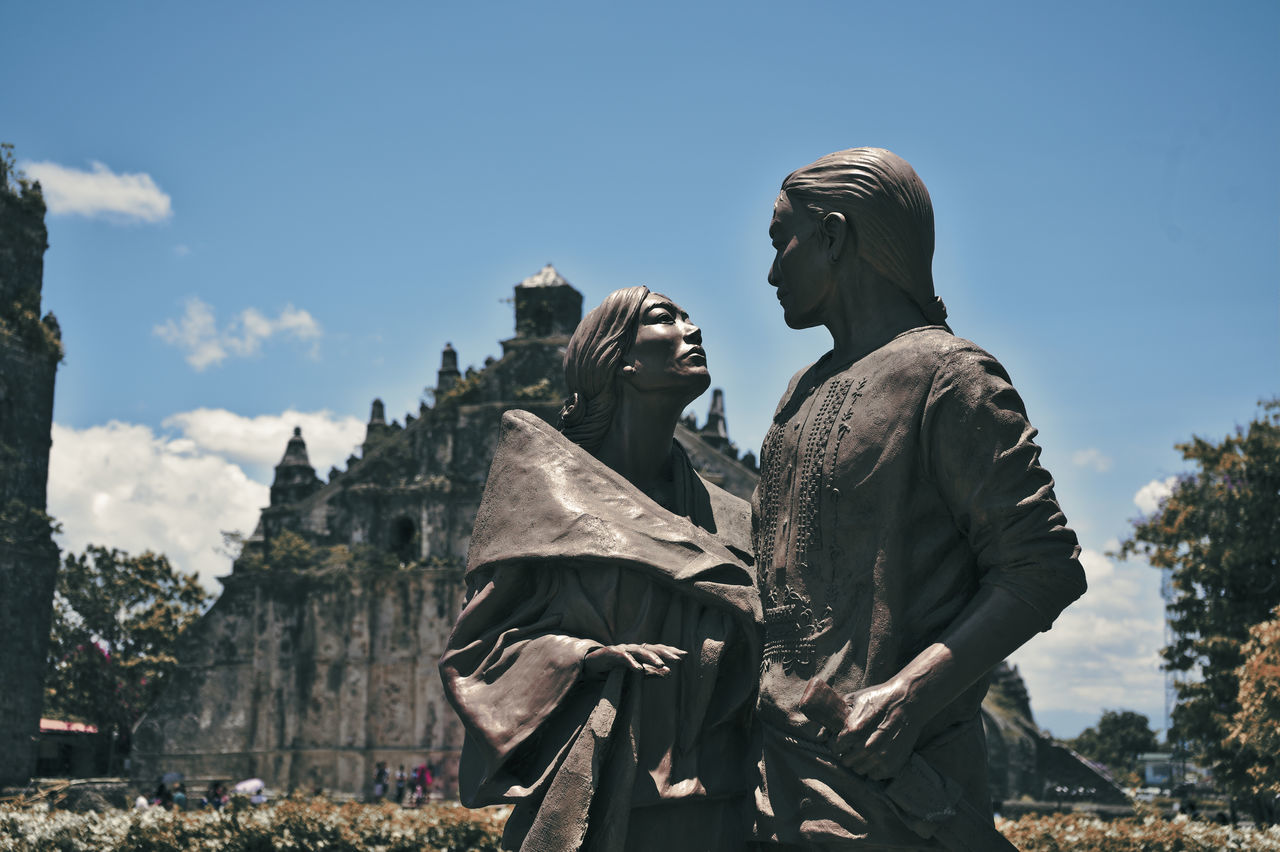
567 555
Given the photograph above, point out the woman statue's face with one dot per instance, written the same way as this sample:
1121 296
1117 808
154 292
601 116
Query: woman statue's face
667 354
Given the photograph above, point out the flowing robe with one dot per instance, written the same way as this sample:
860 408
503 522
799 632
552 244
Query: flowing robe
891 489
567 556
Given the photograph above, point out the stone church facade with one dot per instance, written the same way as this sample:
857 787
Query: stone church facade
318 661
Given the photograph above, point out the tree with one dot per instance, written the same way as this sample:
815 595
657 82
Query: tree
116 621
1256 725
1218 536
1117 740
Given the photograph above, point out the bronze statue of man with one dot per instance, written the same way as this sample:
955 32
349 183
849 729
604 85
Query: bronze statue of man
907 539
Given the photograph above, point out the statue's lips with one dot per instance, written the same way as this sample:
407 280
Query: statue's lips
696 356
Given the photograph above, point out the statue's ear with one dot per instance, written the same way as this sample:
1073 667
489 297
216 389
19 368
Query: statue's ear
838 235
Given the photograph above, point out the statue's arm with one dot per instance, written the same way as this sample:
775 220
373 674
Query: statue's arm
978 449
884 726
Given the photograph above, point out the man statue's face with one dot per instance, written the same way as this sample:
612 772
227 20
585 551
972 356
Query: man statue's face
801 272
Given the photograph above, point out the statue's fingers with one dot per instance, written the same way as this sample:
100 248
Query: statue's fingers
632 662
668 652
884 756
849 740
647 654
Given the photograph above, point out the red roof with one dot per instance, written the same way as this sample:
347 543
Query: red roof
57 726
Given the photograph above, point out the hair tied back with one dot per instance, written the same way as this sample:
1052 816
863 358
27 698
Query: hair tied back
572 412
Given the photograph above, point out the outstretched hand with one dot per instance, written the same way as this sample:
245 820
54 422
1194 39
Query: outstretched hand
878 735
647 658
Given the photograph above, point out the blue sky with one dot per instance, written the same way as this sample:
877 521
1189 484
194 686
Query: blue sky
297 205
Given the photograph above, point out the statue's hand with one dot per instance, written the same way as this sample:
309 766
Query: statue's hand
647 658
879 732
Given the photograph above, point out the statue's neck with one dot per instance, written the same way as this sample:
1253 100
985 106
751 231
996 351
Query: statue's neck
869 313
638 444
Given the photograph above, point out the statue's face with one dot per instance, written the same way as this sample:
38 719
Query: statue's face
667 354
806 285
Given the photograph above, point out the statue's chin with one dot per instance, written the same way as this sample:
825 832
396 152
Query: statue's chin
800 323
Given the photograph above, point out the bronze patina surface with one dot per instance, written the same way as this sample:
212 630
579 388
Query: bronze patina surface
605 663
906 537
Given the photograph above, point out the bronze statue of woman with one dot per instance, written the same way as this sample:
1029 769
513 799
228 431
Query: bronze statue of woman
605 663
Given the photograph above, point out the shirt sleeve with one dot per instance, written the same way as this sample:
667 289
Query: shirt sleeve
979 448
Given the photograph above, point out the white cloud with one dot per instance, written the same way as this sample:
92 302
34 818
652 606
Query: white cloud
182 250
100 193
197 332
1151 495
261 440
123 485
1092 457
1104 650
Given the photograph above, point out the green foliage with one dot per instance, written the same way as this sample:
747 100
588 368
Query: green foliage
1084 833
12 180
1219 536
22 233
314 824
23 322
116 621
464 390
21 526
1116 741
1255 728
289 551
540 391
293 824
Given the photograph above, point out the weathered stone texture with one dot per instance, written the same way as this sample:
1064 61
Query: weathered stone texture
30 348
307 681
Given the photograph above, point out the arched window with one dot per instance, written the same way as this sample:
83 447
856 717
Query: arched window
404 540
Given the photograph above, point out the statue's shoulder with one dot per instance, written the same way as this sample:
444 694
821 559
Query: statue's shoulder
934 349
793 384
518 418
732 517
524 428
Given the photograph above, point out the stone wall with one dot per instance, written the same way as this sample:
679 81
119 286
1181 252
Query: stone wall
308 680
30 349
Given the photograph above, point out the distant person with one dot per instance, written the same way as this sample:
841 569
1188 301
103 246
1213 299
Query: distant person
163 797
217 795
180 797
401 778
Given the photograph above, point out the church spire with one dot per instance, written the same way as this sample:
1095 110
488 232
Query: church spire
716 430
295 477
448 374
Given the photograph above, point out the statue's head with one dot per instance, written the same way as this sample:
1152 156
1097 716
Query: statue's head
888 210
635 335
592 362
